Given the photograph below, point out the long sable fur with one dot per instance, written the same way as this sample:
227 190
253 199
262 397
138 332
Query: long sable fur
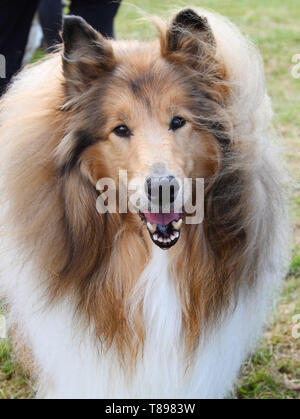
96 260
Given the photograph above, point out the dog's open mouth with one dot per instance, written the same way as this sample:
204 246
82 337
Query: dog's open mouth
164 229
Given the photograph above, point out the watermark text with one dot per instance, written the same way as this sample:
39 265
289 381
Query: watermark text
296 327
2 67
163 195
296 68
3 334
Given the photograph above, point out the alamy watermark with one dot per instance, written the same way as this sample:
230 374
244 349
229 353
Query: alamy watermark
164 195
296 327
296 68
2 67
3 334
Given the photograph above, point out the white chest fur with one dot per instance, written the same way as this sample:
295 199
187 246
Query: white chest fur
72 368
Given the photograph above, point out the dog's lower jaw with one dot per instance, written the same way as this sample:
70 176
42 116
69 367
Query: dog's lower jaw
166 235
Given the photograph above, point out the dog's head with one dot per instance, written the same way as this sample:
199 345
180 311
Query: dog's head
152 109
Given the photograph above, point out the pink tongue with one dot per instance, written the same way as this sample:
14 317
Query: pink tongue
161 219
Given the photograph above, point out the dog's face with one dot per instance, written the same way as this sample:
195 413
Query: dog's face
142 111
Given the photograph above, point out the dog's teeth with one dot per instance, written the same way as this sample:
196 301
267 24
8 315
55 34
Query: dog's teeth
155 237
160 239
177 224
152 227
172 237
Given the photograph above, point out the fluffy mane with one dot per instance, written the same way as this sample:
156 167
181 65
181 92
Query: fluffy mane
96 261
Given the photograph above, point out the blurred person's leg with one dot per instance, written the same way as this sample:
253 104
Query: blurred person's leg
50 16
15 24
98 13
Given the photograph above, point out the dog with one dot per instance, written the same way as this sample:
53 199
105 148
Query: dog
141 304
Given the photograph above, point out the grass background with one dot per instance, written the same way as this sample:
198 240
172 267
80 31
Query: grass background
274 370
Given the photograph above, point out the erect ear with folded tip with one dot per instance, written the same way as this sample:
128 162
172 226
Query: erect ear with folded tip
188 37
86 54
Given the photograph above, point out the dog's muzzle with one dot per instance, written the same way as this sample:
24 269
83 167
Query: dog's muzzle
162 219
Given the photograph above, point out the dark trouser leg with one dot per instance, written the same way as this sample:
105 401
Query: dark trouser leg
98 13
15 24
50 15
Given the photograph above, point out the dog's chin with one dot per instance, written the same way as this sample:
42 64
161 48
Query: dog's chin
164 228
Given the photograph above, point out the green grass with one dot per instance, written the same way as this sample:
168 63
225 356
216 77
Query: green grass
295 265
14 384
274 371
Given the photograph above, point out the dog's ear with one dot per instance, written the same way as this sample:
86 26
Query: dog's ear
188 37
86 55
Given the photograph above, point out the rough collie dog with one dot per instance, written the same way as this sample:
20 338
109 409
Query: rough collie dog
140 305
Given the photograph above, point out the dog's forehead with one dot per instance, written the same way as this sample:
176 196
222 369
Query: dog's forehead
144 92
142 62
142 72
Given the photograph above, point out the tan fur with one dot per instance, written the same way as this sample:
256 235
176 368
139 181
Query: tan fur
97 260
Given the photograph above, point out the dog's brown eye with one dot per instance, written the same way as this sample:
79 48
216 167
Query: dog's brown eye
177 122
122 131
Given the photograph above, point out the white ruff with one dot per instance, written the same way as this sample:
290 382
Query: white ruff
72 368
70 365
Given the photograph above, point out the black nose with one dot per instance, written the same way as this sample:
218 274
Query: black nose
162 190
